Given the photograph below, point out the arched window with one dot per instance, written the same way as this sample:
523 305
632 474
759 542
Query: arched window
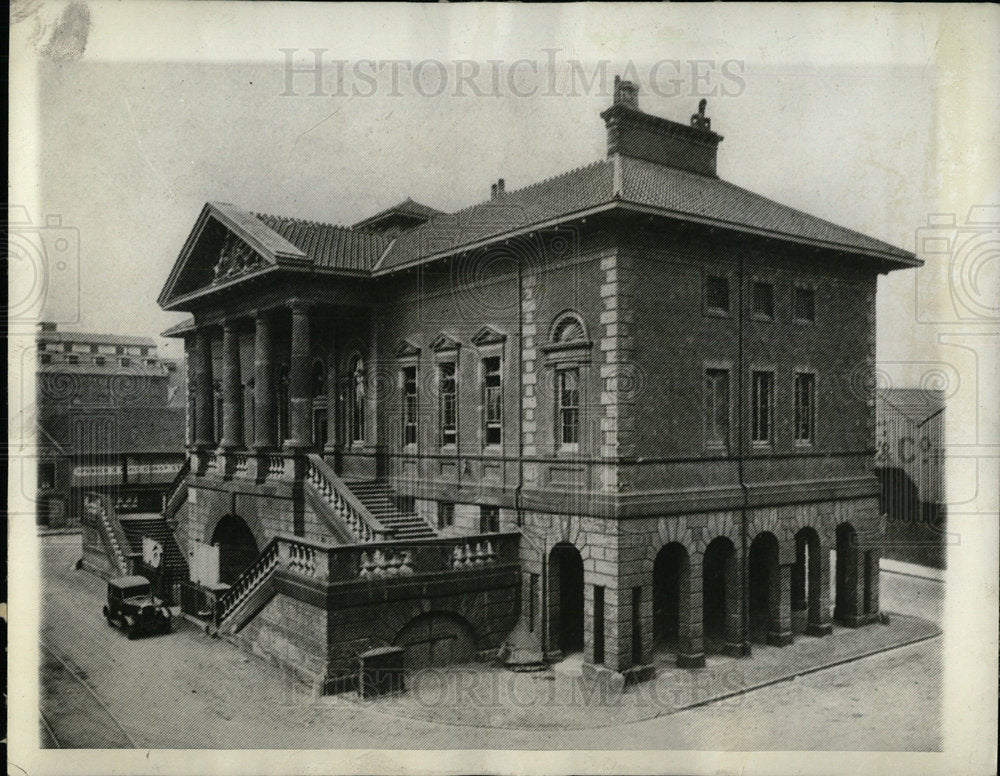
568 328
356 399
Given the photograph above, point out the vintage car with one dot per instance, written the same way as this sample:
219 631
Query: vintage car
132 607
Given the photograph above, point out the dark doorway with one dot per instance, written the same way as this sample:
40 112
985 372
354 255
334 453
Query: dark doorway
567 583
764 586
845 602
720 593
670 572
237 547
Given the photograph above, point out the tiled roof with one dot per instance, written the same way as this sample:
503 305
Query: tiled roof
138 369
327 245
570 192
690 194
91 338
673 192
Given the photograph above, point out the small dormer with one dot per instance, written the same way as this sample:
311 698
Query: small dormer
399 218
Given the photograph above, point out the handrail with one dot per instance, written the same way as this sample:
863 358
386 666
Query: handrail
176 488
247 581
363 524
114 534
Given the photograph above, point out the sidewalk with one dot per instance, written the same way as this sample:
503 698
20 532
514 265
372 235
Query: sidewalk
491 696
911 569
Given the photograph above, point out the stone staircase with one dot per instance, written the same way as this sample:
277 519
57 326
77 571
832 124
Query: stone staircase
380 500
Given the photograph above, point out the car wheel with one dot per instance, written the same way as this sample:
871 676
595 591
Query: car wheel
131 631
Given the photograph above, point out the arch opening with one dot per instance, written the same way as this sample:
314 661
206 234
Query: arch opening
237 547
845 607
436 638
566 595
765 591
720 596
670 588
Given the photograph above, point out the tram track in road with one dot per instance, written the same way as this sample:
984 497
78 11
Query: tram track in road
75 709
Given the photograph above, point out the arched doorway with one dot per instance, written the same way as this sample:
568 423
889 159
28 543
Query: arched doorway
720 595
566 595
670 587
845 608
807 582
765 587
436 639
237 547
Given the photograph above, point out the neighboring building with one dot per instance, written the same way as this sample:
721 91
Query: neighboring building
910 463
619 404
104 424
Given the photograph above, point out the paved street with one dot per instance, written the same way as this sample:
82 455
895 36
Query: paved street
189 691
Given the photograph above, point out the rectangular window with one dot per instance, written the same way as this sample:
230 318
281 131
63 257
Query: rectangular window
446 514
763 300
717 408
568 413
449 403
126 362
406 505
409 405
46 358
100 360
47 475
72 359
717 294
805 407
492 401
805 305
489 519
763 407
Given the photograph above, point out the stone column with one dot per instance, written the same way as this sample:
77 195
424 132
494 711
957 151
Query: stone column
300 419
691 647
736 642
819 593
779 629
263 384
232 388
204 433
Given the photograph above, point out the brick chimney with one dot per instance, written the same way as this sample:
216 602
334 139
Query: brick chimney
631 132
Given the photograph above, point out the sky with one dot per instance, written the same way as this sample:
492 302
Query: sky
835 112
126 117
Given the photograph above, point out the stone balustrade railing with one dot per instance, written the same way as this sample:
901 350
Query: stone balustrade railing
350 563
421 556
362 524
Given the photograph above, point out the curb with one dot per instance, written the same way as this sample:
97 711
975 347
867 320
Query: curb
911 570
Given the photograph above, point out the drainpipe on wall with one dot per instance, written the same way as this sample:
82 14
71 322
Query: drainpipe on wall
740 437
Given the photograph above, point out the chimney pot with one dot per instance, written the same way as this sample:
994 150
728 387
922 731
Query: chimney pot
626 94
493 191
500 187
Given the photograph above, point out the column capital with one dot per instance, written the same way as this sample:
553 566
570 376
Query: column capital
300 306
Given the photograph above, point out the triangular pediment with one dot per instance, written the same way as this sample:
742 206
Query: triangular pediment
407 349
444 341
225 245
488 335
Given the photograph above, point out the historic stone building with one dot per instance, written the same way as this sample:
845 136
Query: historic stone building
106 423
630 406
